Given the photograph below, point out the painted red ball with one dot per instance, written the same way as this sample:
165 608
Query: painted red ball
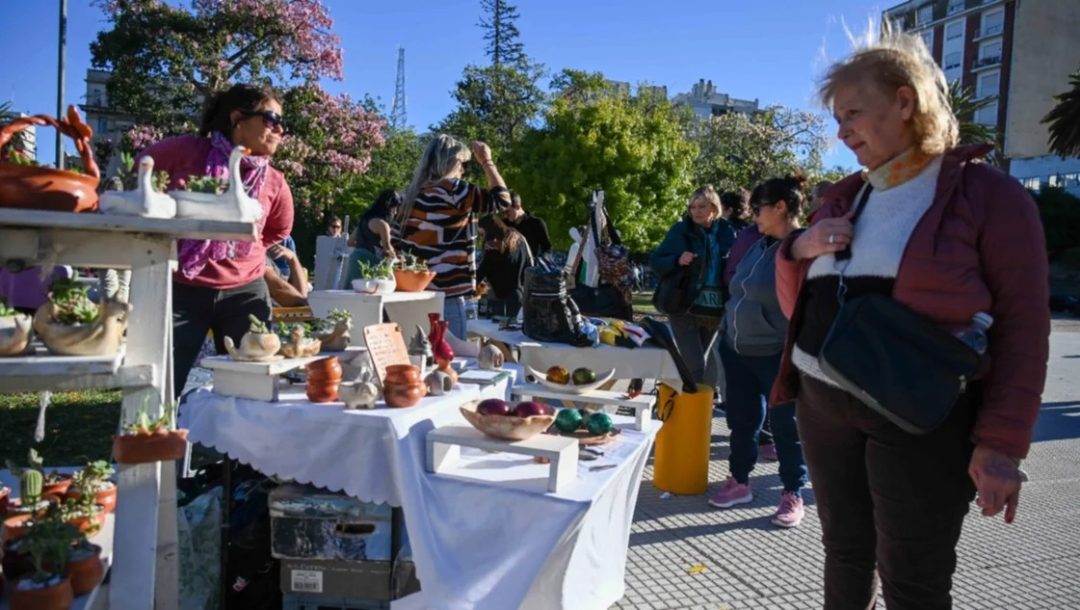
494 406
530 408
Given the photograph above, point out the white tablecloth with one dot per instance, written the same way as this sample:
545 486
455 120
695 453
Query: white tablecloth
629 363
485 534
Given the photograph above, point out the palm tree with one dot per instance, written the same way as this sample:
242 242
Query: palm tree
1064 120
7 115
964 106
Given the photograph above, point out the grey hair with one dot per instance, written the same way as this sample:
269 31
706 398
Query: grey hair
439 159
895 60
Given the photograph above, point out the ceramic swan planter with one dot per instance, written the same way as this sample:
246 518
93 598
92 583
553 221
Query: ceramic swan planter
143 201
97 339
232 205
14 334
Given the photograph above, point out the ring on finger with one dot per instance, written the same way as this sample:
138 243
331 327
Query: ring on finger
832 238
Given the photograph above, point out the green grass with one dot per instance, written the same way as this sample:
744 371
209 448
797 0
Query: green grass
78 427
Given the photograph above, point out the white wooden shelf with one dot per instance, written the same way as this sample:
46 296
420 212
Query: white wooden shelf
444 446
172 227
43 371
641 404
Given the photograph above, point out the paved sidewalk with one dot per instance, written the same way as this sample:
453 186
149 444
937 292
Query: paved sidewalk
748 563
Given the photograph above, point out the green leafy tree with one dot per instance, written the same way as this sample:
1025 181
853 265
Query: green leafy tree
501 33
964 106
1060 212
634 149
1064 120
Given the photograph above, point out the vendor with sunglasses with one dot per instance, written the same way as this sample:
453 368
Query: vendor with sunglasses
220 283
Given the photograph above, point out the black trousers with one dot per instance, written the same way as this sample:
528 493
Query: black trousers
886 498
197 309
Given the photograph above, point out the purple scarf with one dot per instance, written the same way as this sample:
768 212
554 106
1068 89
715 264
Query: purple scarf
194 254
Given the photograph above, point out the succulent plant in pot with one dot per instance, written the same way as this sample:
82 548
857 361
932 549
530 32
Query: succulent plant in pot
334 331
15 330
73 325
299 345
32 500
93 480
375 278
84 566
150 440
48 587
412 273
258 344
84 513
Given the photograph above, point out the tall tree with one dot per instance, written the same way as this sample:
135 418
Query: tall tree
964 106
501 33
634 149
1064 120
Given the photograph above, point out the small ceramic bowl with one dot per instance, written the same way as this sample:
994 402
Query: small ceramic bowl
506 427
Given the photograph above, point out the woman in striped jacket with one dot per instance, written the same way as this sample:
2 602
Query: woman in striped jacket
438 218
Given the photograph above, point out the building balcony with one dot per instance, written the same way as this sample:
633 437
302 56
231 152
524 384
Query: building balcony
986 62
989 32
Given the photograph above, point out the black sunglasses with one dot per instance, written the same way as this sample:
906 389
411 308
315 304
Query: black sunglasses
270 118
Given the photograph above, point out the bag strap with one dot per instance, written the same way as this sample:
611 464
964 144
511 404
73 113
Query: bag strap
845 254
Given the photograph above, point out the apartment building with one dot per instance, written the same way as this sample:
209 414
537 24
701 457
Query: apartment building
1017 53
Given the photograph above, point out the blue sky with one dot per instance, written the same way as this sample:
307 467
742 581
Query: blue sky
772 50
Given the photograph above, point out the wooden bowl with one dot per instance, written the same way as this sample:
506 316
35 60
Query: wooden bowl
506 427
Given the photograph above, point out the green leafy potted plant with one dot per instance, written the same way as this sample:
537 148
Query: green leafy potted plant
73 325
93 480
258 344
146 440
412 273
48 587
84 513
375 278
334 330
14 331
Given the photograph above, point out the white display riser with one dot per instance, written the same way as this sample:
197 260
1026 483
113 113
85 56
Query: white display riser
444 445
641 404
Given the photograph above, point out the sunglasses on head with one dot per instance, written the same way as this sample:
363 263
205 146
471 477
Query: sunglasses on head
270 118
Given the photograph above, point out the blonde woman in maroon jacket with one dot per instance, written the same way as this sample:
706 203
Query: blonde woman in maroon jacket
948 237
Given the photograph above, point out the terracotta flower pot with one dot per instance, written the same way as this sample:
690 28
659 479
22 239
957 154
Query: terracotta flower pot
86 573
323 378
402 386
16 526
56 597
44 188
145 448
5 495
105 497
412 281
59 487
93 522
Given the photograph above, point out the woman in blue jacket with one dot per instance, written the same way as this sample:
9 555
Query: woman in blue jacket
700 241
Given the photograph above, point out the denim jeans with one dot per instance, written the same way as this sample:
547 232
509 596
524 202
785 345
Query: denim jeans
454 313
749 380
697 345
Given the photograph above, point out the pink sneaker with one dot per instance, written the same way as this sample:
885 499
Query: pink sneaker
731 492
790 512
767 452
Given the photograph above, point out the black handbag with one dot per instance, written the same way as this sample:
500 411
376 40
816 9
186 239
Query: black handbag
672 294
548 312
895 360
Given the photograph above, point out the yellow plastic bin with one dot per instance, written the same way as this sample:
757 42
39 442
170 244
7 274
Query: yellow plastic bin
681 464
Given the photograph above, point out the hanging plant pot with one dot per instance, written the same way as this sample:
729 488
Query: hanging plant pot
45 188
58 596
96 339
412 281
85 570
163 446
14 334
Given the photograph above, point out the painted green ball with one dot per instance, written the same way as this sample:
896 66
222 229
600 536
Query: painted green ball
568 420
599 423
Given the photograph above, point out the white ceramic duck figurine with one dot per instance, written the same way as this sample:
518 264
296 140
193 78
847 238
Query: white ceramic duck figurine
234 204
143 201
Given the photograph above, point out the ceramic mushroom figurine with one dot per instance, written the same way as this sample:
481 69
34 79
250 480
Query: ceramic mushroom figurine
257 345
143 201
14 331
234 204
299 345
359 394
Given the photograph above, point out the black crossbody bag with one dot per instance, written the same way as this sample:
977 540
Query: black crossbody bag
894 359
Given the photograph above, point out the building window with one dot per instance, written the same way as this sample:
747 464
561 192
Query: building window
954 30
928 40
952 60
925 14
992 22
988 85
955 6
102 125
1032 184
987 115
1068 180
990 52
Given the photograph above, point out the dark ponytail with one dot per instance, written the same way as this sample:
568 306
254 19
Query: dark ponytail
215 116
789 190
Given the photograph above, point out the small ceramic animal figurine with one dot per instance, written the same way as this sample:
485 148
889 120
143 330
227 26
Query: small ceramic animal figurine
143 201
420 353
490 358
99 338
337 339
234 204
359 394
300 346
438 383
258 344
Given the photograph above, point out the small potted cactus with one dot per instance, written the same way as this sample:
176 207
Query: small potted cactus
147 440
93 480
258 344
412 273
71 324
14 331
334 330
48 587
